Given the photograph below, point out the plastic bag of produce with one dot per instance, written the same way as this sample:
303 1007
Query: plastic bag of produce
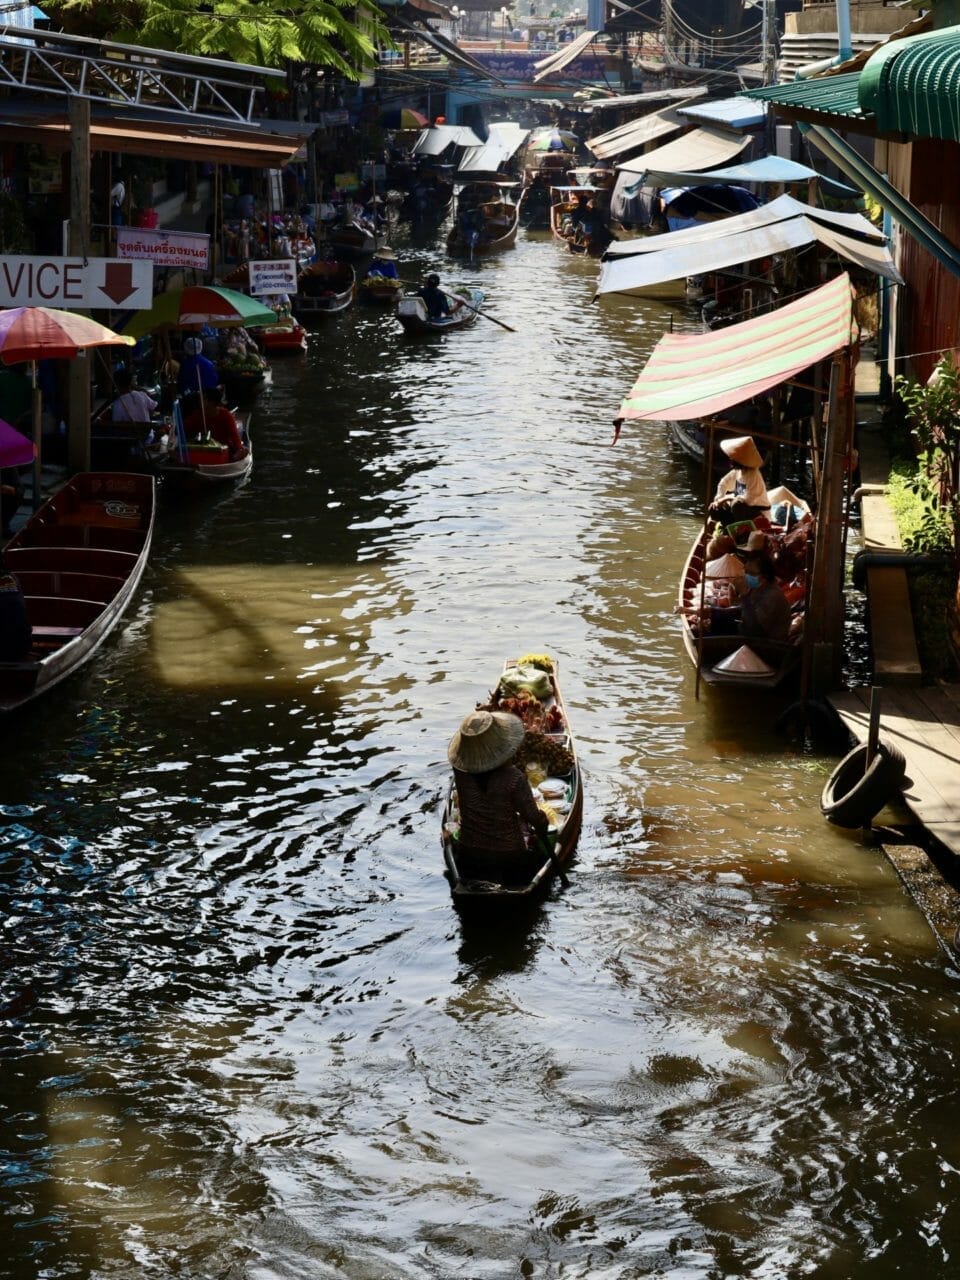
530 678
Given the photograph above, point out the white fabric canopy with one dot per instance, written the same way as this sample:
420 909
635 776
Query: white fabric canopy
435 140
642 271
636 133
696 150
506 138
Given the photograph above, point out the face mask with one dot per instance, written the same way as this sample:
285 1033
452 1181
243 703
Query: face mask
753 580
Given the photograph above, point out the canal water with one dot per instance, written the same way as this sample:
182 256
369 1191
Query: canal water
243 1033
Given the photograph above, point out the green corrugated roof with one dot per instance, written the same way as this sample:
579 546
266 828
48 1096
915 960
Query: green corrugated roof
913 86
826 95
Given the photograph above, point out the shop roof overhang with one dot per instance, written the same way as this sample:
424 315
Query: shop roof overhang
44 124
690 375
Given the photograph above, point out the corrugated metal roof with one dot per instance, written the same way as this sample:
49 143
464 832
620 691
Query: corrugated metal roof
822 96
731 113
913 85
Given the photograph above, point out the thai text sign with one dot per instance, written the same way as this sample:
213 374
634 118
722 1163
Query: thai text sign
165 248
276 276
75 283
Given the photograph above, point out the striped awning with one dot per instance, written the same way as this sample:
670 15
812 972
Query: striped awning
692 375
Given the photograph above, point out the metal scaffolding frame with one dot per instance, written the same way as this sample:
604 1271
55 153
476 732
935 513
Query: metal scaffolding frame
130 76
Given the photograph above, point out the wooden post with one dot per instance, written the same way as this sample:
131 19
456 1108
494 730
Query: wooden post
824 618
78 410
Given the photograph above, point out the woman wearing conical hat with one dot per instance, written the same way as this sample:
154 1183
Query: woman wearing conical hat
496 805
741 493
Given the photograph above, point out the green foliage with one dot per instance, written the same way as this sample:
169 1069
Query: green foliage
933 415
341 34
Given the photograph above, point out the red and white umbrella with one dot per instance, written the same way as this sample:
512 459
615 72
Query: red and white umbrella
45 333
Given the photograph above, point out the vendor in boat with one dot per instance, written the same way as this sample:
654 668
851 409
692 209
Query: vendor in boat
16 634
497 808
741 493
762 617
131 404
211 417
437 302
384 264
196 372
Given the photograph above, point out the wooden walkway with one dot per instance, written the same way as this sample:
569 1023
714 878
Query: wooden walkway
924 723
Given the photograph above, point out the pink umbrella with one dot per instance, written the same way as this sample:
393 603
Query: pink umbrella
45 333
15 450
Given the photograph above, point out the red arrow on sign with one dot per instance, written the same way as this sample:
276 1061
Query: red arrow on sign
118 281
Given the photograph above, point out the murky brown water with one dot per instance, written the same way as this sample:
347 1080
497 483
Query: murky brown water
245 1035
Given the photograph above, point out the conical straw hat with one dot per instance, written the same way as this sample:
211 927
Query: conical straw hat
743 451
485 740
745 663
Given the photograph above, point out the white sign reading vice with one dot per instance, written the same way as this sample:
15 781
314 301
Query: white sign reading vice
75 283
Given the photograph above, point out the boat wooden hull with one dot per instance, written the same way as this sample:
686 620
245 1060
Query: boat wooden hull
325 289
707 650
488 896
499 232
380 294
201 470
412 314
282 339
79 559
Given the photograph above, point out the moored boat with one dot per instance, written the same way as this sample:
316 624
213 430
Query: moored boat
548 756
79 559
486 220
731 659
325 288
382 291
412 312
199 464
286 337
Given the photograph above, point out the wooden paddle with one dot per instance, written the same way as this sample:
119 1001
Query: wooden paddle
549 850
463 302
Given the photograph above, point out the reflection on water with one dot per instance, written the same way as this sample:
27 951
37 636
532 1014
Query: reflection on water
243 1031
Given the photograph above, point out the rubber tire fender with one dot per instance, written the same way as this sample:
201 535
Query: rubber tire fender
855 792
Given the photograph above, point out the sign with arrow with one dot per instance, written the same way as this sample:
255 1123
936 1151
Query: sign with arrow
77 284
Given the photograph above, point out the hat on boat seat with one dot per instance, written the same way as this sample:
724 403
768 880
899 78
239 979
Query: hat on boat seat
743 451
485 740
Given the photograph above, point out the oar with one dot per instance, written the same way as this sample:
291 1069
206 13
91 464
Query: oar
549 850
466 304
485 315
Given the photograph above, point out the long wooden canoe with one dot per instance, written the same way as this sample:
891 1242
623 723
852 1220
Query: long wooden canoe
79 560
567 810
730 659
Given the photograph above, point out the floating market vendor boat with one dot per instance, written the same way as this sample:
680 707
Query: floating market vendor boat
203 463
529 688
486 220
324 288
382 291
79 559
412 312
729 658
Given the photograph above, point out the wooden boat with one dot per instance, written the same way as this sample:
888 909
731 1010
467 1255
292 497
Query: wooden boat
380 290
721 658
324 288
352 241
488 224
286 337
690 437
79 559
412 313
204 464
564 207
243 385
548 736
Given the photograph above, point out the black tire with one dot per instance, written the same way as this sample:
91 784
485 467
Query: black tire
855 793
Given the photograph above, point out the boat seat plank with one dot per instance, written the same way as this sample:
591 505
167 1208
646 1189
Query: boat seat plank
40 630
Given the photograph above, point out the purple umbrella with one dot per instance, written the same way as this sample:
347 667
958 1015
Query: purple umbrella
15 450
